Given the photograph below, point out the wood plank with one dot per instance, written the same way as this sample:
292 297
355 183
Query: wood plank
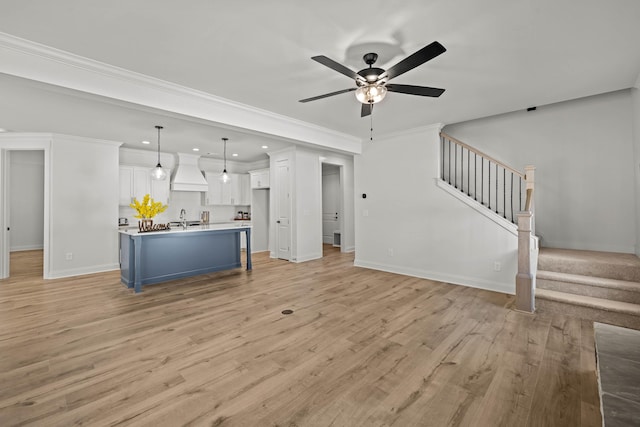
361 348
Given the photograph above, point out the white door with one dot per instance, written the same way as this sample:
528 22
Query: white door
330 205
283 210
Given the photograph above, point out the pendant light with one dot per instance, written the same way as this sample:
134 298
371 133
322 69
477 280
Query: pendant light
225 178
158 173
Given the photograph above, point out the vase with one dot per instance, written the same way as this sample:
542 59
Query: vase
145 224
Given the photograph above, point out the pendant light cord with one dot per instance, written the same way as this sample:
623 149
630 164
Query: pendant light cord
158 127
225 153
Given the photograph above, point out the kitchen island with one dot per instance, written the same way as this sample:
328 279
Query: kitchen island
159 256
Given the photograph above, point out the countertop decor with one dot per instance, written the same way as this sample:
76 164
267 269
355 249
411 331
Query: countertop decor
146 210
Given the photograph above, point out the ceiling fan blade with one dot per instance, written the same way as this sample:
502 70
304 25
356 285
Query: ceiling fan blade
366 110
415 90
338 92
412 61
328 62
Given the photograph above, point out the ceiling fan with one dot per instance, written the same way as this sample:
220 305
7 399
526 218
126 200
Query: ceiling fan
372 83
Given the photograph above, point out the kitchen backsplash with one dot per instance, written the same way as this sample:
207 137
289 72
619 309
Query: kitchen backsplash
191 202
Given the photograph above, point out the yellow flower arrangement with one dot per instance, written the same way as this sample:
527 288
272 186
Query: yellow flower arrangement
148 208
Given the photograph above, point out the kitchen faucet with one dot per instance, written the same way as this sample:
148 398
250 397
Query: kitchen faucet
183 217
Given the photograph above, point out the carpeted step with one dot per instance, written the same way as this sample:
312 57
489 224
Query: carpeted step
618 266
598 287
589 308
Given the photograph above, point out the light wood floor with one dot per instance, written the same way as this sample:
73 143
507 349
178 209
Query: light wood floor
362 348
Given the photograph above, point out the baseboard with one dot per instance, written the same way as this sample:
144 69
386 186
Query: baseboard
82 271
307 257
471 282
349 249
26 248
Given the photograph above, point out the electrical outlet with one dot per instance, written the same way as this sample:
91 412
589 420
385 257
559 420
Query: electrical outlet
497 266
390 251
69 256
365 212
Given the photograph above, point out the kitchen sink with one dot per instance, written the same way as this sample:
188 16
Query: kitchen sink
180 223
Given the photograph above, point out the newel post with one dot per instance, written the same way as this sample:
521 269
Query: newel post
529 178
525 284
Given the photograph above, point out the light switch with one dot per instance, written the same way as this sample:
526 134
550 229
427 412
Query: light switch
365 212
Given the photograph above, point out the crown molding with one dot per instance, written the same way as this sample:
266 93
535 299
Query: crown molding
46 136
35 61
437 127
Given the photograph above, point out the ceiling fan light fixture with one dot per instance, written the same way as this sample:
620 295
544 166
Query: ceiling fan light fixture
371 94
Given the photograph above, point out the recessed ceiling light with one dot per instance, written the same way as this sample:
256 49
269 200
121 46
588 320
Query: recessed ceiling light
235 154
265 146
3 130
196 149
146 142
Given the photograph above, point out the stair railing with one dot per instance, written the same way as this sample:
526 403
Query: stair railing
490 182
500 188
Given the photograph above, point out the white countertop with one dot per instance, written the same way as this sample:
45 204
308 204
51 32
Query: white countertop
192 229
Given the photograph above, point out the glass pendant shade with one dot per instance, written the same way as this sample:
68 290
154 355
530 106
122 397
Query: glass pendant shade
158 173
225 178
371 94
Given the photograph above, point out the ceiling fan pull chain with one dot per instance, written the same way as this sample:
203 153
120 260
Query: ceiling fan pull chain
371 117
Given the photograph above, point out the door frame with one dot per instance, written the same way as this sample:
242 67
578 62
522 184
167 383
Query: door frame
23 142
341 223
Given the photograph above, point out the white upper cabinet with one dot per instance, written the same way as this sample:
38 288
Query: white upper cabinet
126 185
233 193
260 178
136 182
160 189
245 189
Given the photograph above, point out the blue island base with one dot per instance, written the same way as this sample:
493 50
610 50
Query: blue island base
148 258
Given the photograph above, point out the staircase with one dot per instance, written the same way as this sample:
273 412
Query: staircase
598 286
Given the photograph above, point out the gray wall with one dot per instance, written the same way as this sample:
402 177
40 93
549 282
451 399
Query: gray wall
635 96
407 224
583 151
26 199
84 206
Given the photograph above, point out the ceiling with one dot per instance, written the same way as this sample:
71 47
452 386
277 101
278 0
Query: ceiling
502 55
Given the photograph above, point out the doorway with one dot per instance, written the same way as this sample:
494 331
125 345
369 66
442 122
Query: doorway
23 208
331 205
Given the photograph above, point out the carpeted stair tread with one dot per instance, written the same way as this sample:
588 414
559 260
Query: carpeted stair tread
602 282
591 302
619 266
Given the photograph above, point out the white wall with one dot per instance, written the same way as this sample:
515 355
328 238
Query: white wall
583 154
307 202
26 199
84 205
408 225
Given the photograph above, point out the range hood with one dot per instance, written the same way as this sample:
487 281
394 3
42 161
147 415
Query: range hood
188 176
